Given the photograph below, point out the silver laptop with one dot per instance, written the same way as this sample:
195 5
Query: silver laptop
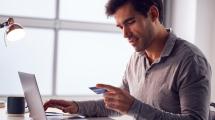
34 101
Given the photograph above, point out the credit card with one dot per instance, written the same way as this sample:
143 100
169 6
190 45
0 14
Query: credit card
98 90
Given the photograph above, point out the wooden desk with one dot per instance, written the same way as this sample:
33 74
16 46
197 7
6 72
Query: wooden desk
4 116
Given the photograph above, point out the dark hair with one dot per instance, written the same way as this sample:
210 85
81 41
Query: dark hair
141 6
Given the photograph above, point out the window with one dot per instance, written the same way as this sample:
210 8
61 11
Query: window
66 48
33 54
28 8
84 10
88 58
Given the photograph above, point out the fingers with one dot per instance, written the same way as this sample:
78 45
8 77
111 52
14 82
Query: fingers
49 103
108 87
56 104
112 106
112 100
71 109
65 106
58 107
118 100
115 105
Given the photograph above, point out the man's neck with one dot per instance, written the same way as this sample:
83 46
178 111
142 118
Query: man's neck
157 46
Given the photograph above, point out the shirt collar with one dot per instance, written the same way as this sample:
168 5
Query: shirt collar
171 39
169 45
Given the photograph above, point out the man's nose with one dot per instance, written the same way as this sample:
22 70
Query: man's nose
126 32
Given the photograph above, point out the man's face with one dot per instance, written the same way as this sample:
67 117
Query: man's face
137 28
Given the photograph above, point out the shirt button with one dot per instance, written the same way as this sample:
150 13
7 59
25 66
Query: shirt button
146 74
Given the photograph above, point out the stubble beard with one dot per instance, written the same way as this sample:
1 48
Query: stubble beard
142 45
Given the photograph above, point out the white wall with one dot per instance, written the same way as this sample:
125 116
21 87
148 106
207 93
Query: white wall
194 20
184 19
205 30
213 61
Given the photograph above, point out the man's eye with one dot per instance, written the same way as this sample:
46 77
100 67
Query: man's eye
131 22
120 27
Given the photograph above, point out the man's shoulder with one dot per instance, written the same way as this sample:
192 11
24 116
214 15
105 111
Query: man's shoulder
186 49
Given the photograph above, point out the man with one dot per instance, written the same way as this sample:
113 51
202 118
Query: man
167 78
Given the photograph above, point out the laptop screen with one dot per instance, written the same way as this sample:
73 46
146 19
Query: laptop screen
32 95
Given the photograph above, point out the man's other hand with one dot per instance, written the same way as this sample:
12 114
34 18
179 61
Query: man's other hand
65 106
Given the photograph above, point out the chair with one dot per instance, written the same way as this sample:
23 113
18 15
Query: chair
212 113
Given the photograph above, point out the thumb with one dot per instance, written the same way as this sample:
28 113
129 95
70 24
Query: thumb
69 109
65 110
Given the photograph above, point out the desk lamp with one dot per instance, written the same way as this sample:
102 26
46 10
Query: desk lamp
13 31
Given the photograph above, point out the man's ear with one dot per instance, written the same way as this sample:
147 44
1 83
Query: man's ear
153 13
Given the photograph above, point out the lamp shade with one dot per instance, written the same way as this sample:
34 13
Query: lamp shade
14 32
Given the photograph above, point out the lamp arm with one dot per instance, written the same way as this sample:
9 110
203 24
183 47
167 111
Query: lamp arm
3 24
8 22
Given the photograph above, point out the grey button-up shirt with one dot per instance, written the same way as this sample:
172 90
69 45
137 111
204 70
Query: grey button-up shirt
175 87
